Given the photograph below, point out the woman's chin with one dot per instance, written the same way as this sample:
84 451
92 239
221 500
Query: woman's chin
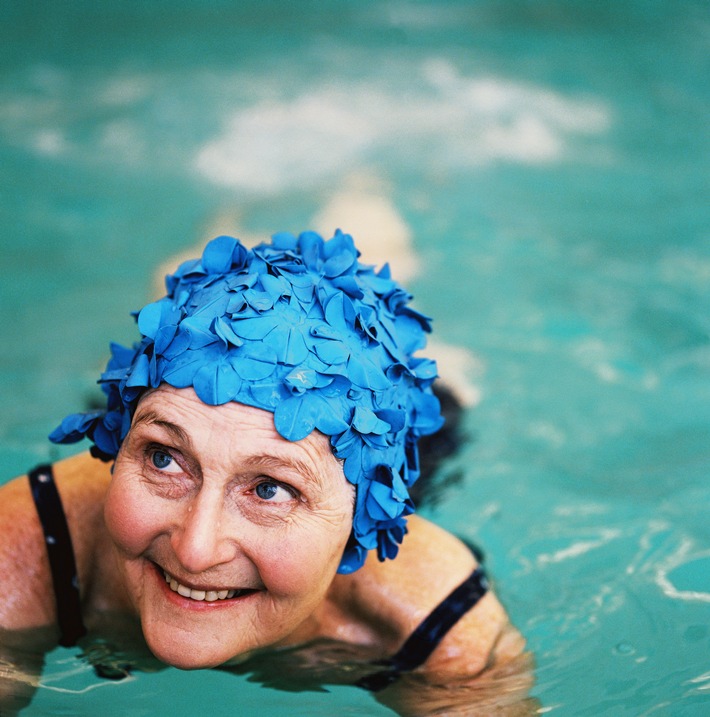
187 661
186 656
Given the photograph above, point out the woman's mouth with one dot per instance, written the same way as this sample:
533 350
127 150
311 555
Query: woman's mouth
202 595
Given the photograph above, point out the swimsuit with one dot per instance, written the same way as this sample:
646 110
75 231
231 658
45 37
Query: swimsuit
431 631
60 553
416 649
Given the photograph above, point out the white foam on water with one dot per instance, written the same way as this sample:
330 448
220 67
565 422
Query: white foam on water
429 116
123 137
442 116
580 547
50 142
685 553
275 146
126 90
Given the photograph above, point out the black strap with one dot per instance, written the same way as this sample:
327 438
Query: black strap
61 554
425 639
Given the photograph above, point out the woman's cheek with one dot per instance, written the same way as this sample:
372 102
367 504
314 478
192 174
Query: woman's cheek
307 558
129 516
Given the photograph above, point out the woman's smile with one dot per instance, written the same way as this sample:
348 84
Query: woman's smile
206 594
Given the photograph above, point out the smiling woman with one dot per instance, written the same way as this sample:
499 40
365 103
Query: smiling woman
262 437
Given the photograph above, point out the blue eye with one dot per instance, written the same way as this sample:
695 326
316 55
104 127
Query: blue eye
161 459
266 491
273 492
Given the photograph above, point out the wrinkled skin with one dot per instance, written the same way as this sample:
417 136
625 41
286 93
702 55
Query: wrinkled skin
216 499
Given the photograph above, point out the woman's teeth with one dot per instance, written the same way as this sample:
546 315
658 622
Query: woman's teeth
206 595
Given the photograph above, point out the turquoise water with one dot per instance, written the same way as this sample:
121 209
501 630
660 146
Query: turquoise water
549 161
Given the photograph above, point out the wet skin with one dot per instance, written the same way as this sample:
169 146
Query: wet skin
213 497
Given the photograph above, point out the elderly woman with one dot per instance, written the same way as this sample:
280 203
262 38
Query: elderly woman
248 484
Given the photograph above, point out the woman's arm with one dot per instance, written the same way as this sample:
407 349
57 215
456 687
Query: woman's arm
27 609
394 597
28 597
480 666
502 689
28 601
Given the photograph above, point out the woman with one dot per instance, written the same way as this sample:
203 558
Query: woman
248 484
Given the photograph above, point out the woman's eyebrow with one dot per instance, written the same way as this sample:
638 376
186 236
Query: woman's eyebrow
149 417
275 462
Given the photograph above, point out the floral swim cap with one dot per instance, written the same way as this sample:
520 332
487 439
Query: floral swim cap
300 328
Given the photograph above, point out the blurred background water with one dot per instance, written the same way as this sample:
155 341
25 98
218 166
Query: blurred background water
539 169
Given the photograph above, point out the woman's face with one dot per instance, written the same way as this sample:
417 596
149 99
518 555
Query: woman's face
228 536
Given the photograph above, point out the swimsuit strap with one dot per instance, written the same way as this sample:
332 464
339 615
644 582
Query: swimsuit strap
424 640
60 553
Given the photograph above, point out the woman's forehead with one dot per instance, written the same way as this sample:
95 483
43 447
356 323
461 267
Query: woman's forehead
181 408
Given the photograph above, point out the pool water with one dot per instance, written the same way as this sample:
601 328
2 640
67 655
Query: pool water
539 169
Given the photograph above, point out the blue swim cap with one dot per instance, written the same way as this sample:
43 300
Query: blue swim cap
301 328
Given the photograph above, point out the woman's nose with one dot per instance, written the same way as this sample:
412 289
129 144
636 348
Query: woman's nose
202 540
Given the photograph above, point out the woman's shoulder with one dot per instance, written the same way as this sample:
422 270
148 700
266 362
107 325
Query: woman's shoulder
395 596
29 600
81 482
431 562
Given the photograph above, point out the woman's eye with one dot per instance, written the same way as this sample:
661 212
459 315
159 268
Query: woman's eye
163 461
273 492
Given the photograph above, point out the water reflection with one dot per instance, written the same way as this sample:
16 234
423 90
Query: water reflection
502 689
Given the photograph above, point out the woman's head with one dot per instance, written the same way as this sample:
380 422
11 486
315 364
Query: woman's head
297 327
